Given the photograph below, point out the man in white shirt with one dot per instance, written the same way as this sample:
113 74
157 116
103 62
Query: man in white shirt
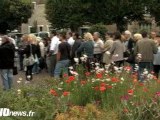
70 39
98 47
53 51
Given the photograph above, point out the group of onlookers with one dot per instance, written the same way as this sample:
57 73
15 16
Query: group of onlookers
58 52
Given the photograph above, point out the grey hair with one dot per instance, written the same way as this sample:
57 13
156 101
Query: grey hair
97 33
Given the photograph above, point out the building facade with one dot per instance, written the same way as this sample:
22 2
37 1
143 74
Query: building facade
38 21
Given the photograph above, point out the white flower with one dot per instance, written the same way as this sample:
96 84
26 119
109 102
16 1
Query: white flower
71 67
145 72
122 78
116 68
60 88
18 81
108 80
73 73
108 53
19 91
76 60
28 76
61 83
97 64
85 56
116 55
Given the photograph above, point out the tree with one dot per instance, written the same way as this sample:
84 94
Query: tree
13 13
74 13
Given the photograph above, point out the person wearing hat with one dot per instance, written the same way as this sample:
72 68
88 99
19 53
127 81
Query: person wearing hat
7 51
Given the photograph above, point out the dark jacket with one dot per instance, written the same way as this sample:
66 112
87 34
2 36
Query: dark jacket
87 48
75 46
7 51
34 49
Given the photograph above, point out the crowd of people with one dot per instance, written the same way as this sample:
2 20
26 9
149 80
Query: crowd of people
57 53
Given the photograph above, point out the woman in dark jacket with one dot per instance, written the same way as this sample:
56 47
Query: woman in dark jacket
87 48
31 49
7 50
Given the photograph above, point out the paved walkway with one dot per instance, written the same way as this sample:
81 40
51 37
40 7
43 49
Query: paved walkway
36 78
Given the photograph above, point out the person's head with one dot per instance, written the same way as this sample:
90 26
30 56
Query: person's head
127 34
117 36
153 35
5 39
144 34
158 40
32 39
75 36
96 36
137 37
108 36
68 35
39 39
88 36
62 36
123 38
53 33
24 37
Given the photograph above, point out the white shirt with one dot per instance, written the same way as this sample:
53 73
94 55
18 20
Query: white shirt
70 41
42 48
54 44
98 47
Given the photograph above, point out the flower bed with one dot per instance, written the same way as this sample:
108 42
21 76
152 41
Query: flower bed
99 94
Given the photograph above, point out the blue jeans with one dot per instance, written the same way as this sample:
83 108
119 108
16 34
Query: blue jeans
142 66
35 69
7 78
61 66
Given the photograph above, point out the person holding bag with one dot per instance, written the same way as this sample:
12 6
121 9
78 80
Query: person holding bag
30 57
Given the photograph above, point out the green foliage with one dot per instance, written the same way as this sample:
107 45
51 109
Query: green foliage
99 28
13 13
75 13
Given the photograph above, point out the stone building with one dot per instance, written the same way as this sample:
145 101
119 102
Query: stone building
38 21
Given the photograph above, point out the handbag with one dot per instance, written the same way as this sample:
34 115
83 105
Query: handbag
30 60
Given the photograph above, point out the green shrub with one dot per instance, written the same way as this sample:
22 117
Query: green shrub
102 29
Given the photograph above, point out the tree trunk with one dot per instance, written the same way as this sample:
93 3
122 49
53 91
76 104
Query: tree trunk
121 27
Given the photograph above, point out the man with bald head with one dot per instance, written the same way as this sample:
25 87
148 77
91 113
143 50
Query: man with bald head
98 47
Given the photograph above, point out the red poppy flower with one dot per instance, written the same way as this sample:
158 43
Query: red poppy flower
96 88
68 81
53 92
135 81
128 68
158 81
87 73
102 88
99 75
65 93
145 89
141 84
71 78
65 75
109 86
158 94
103 85
130 92
125 110
83 82
114 79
